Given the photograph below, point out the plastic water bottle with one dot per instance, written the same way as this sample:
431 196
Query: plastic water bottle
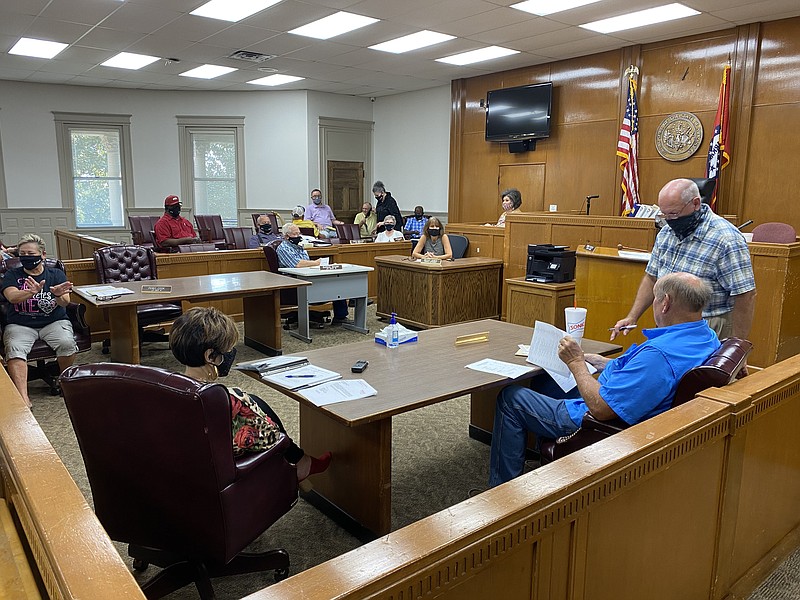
394 333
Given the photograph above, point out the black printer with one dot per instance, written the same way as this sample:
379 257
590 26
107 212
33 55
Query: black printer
550 264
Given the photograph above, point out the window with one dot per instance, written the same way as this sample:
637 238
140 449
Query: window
212 160
94 162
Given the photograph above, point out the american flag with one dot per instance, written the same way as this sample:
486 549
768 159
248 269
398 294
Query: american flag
718 157
628 149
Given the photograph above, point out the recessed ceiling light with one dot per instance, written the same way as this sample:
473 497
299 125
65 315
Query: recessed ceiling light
333 25
473 56
231 10
651 16
207 72
275 80
127 60
548 7
37 48
421 39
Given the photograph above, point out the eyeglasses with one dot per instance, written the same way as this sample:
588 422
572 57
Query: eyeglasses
662 218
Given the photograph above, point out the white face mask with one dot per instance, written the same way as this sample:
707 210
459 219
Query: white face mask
507 205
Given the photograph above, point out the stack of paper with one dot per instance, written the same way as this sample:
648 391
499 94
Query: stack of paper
273 364
543 352
105 290
339 391
303 377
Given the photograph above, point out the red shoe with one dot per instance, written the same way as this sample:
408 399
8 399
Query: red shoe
321 464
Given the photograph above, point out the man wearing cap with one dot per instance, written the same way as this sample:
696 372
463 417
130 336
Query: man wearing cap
172 229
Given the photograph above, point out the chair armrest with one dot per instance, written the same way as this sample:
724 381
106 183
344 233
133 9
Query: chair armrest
591 430
251 461
609 427
76 313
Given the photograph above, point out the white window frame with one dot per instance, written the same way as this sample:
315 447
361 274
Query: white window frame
188 125
65 122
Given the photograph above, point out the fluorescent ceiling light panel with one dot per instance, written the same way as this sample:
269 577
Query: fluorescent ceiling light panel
548 7
651 16
474 56
421 39
275 80
232 10
127 60
207 72
37 48
333 25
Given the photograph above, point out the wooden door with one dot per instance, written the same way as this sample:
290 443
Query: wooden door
345 188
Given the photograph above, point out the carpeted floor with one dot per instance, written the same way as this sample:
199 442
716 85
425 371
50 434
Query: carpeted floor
434 465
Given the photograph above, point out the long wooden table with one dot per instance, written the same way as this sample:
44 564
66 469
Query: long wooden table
259 290
359 432
434 294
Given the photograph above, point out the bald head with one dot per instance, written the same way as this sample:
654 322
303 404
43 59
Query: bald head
673 197
680 298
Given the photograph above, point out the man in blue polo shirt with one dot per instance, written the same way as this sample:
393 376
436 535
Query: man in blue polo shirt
635 386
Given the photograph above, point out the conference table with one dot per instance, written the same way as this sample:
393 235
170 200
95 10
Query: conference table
259 290
340 282
359 432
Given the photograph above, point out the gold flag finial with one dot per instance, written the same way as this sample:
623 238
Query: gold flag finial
632 71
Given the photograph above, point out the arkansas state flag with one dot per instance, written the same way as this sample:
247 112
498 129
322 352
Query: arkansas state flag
718 156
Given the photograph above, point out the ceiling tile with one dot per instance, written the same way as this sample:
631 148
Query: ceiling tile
442 12
768 10
13 23
89 12
282 44
141 19
287 15
25 7
499 18
239 36
112 39
320 50
56 31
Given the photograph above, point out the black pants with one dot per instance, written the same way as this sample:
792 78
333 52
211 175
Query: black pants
294 453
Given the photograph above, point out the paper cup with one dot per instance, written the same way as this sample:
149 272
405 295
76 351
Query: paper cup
576 322
323 262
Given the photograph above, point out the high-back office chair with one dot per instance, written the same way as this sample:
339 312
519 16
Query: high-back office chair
348 232
196 247
210 229
774 233
236 238
274 219
159 457
458 244
309 231
121 264
141 226
718 370
44 358
706 187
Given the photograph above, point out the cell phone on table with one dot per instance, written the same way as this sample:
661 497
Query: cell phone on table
359 366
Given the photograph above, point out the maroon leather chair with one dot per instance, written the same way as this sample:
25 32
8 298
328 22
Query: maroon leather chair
718 370
158 452
46 366
141 228
196 247
775 233
122 264
236 238
210 230
273 219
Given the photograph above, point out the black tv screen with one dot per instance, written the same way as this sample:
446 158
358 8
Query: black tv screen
519 113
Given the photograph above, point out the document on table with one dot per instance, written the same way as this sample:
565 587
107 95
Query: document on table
498 367
273 364
104 290
543 353
339 391
302 377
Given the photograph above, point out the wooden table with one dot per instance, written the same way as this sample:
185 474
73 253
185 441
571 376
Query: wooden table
259 290
434 294
359 432
349 282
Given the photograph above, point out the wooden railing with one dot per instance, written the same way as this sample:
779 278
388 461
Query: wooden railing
70 245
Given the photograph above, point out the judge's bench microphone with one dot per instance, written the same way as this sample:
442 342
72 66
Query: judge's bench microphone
589 202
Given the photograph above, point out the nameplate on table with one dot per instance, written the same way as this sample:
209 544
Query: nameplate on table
432 261
336 267
156 289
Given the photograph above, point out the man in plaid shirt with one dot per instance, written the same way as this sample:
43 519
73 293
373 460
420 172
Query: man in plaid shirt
413 227
697 241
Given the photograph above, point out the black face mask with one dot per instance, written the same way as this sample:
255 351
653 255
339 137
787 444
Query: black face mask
30 262
296 240
418 217
175 211
224 367
434 232
266 228
389 226
684 226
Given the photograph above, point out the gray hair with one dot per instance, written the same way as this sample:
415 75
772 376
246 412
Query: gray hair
378 187
390 219
31 238
514 195
299 211
286 227
687 290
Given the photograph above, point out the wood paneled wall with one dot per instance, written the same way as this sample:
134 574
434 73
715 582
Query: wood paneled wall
588 102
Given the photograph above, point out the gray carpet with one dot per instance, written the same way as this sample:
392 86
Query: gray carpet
434 466
430 447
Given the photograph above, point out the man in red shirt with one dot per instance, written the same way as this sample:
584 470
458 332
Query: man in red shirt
172 229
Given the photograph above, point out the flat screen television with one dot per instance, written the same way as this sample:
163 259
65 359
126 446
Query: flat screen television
519 113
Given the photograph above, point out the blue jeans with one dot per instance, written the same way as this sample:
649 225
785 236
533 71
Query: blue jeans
519 410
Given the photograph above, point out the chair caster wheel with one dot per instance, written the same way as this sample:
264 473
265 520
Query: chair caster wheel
281 574
106 350
140 564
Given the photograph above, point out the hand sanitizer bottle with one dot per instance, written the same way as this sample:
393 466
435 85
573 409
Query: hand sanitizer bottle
394 333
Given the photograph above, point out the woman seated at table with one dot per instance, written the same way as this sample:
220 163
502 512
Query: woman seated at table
390 233
203 339
510 200
433 243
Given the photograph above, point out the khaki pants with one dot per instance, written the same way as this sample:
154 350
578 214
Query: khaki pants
722 324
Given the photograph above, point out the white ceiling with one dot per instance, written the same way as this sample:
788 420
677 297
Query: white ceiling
98 29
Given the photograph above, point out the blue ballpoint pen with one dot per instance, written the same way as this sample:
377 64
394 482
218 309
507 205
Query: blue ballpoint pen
299 376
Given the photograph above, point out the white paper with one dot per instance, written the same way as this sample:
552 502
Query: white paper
104 290
324 261
523 350
544 353
305 376
271 364
339 391
498 367
633 255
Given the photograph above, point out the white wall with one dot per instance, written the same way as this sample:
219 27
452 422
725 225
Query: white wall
412 147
